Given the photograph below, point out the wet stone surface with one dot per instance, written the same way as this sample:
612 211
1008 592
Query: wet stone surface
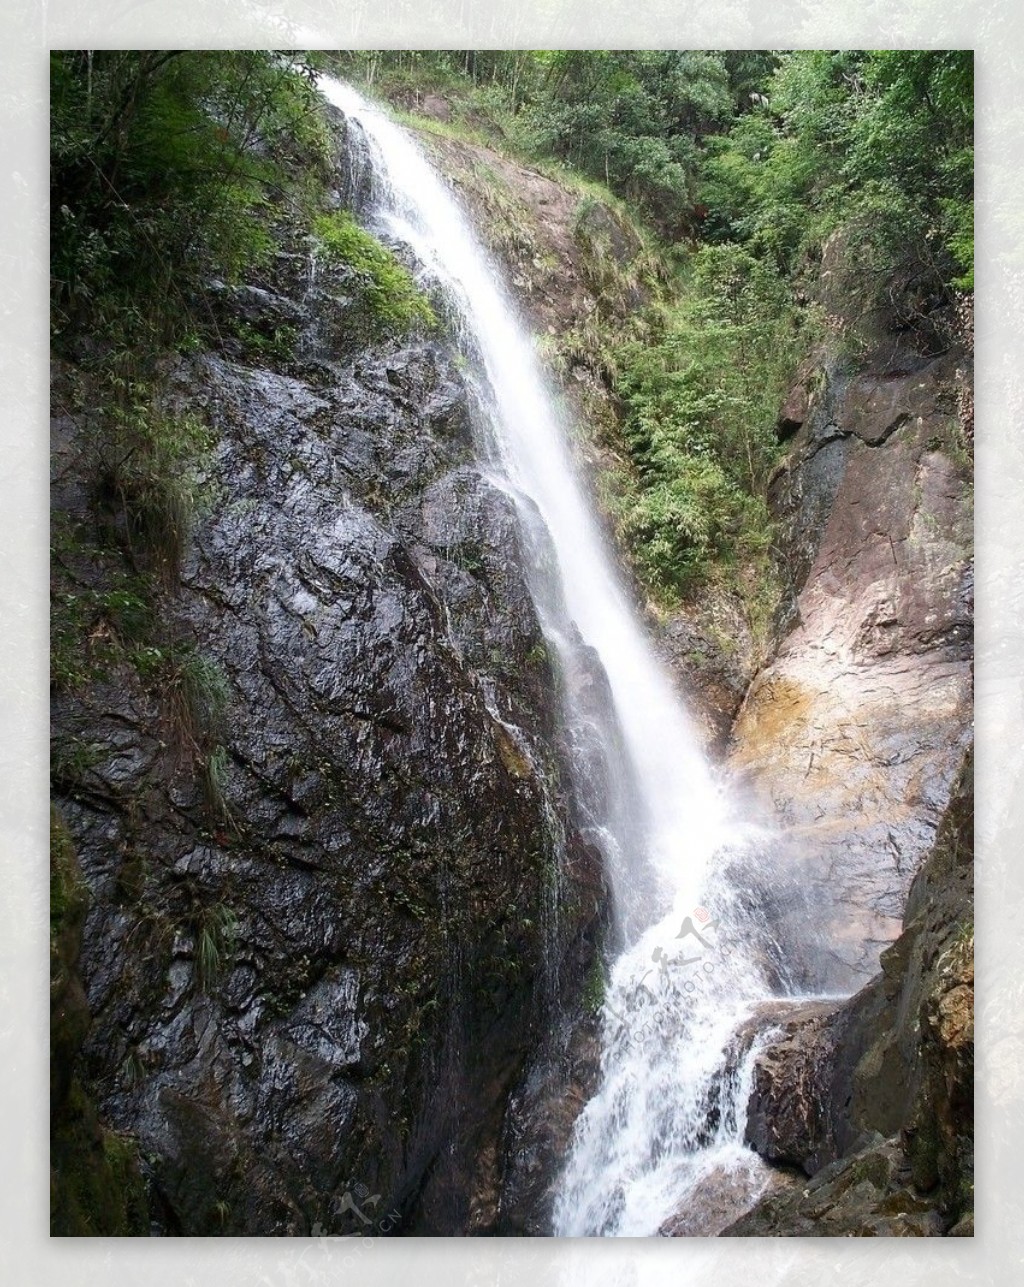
331 970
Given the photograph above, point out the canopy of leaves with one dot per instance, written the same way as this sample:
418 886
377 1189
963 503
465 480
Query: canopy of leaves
880 142
163 165
700 407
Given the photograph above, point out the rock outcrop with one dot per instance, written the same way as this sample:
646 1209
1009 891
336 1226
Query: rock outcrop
850 738
856 739
96 1186
319 820
873 1099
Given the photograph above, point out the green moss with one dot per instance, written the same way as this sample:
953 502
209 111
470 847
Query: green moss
594 987
275 346
68 894
538 655
96 1187
924 1146
391 299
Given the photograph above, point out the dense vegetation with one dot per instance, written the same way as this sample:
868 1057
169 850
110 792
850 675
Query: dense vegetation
764 148
744 164
165 166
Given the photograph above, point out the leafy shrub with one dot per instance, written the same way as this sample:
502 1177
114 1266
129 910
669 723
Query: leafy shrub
167 167
881 140
393 301
675 526
700 404
148 470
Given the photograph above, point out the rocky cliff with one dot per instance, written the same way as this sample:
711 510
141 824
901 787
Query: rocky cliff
322 816
857 738
873 1100
850 738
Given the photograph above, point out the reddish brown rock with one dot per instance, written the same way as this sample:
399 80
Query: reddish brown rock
849 739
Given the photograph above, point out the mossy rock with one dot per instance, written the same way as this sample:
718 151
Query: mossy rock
69 898
96 1186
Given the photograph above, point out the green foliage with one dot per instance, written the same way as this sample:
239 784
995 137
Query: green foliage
216 931
68 894
700 405
634 118
386 288
91 627
164 165
276 346
199 693
878 142
484 88
148 463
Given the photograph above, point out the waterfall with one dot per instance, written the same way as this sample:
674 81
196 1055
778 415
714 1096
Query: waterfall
690 954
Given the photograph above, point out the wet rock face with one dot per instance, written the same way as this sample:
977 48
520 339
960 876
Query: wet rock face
864 1197
873 1098
713 681
539 1125
789 1119
96 1189
318 957
850 738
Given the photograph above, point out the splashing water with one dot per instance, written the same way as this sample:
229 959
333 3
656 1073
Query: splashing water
669 1108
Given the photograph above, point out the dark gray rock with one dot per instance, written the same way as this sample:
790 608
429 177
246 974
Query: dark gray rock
865 1198
789 1120
320 954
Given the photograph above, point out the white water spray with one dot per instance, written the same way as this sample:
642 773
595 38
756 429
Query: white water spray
669 1109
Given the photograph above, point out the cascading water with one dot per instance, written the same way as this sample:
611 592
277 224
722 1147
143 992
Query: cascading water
668 1112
